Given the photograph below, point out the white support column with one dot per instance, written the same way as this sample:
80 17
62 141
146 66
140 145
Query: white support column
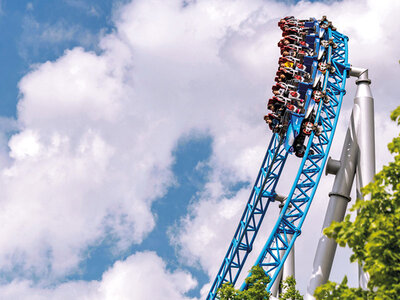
365 136
344 171
358 158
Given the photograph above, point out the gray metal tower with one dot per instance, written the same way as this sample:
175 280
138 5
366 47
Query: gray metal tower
357 160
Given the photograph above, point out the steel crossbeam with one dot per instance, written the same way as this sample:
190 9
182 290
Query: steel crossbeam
300 197
262 194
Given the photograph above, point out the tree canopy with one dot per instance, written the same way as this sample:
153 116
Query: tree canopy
374 236
256 288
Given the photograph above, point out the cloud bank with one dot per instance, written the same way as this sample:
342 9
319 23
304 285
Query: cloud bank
96 132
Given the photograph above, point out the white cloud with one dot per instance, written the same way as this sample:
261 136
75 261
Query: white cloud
97 131
141 276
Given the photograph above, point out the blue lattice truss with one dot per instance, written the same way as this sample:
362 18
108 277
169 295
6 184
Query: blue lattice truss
262 194
294 212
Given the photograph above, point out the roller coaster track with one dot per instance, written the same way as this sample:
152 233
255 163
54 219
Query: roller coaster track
299 199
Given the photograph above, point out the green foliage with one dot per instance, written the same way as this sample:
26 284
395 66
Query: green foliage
256 285
374 236
256 288
256 282
334 291
289 290
228 292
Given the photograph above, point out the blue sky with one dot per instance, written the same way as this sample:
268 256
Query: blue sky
24 44
132 130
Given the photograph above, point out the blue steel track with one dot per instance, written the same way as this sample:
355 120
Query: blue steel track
299 199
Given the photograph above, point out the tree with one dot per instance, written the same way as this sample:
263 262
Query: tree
374 236
256 285
256 288
289 290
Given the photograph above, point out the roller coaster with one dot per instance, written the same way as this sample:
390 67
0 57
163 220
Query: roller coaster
308 95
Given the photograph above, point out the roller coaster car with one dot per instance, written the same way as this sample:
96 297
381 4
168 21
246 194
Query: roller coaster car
301 125
301 50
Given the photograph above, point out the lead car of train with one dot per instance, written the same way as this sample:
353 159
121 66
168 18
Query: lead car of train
300 87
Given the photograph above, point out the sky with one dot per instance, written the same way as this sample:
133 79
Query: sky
131 133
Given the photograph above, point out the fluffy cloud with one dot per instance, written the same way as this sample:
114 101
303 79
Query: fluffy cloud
141 276
97 131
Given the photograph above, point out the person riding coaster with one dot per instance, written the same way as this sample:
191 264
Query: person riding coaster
280 88
275 107
297 54
323 66
318 95
290 23
291 56
295 29
287 96
285 76
293 65
295 117
283 42
307 127
300 34
327 24
285 86
292 40
297 48
326 43
286 62
272 120
291 73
